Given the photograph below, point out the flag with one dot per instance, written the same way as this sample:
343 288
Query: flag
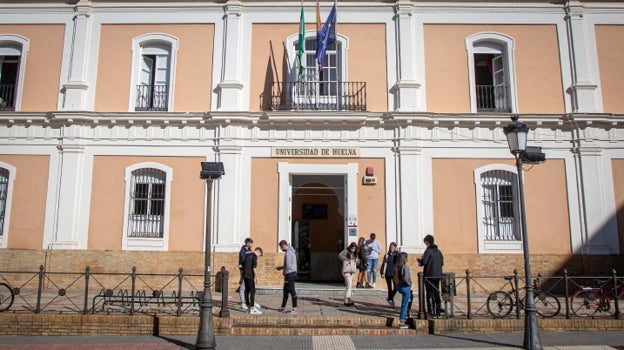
301 47
326 36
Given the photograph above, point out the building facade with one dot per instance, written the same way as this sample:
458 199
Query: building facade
109 108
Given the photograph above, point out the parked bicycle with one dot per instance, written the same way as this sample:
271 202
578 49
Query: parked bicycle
6 297
501 303
598 301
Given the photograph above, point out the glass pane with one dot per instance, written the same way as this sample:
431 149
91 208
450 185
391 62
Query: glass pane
140 207
141 190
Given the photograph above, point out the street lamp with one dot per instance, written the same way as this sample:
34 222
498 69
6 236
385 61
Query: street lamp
210 171
516 133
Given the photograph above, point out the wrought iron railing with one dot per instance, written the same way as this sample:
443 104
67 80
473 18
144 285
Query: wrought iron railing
7 97
313 95
492 98
152 98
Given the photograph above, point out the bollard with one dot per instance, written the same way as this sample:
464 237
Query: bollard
85 308
517 293
421 296
133 290
225 312
39 289
567 294
179 298
469 308
617 313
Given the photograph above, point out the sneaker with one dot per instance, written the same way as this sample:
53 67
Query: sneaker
257 306
281 309
403 326
368 286
391 302
359 285
291 312
374 285
244 306
255 311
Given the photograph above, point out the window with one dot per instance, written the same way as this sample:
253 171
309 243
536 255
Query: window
147 206
497 209
7 176
154 60
319 88
492 82
13 50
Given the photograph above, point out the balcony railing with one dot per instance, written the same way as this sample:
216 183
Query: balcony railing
327 96
152 98
7 97
492 98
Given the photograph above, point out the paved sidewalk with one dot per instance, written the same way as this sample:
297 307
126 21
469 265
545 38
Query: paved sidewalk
558 340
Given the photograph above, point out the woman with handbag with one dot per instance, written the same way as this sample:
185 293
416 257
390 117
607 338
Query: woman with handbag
348 257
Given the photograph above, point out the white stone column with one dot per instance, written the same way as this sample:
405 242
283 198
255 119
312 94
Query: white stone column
76 86
406 89
71 210
599 213
415 200
582 45
230 87
226 233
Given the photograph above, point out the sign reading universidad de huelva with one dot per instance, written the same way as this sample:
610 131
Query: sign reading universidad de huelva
315 152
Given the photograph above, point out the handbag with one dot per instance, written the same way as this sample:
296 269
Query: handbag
348 266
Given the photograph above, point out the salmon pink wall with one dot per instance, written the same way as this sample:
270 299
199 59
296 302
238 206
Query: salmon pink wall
611 66
538 72
28 203
42 71
193 70
455 212
186 230
618 189
366 61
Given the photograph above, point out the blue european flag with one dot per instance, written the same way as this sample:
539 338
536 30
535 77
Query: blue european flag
326 36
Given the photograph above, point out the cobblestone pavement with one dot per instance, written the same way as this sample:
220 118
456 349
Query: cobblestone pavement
551 340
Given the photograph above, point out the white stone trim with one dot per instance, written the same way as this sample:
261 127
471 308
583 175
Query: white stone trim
509 48
488 247
137 50
7 205
154 244
24 43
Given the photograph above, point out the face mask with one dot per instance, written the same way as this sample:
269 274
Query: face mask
352 250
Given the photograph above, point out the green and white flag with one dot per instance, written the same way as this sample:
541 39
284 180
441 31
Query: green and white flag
301 47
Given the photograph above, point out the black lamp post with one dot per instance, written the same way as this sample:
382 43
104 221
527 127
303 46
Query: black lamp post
516 133
205 335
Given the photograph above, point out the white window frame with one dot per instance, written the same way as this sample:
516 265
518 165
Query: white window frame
24 44
139 45
7 205
494 247
140 243
342 48
477 43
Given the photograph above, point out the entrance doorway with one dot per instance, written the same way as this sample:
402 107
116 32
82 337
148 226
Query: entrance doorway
318 225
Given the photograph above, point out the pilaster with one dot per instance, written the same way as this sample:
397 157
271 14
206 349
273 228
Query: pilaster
76 86
227 235
585 93
230 87
407 87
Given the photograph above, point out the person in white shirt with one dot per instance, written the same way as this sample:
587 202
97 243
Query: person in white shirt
373 249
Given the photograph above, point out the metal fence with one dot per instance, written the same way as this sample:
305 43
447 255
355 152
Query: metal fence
566 296
127 293
314 95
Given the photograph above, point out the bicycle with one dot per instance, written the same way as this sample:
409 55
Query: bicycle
6 297
592 301
501 303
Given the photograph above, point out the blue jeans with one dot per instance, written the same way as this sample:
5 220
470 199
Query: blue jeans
371 269
406 291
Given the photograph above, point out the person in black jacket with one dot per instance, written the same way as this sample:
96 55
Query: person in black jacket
432 262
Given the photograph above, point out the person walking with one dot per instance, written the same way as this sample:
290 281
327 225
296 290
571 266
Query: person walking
246 248
403 280
387 271
432 262
373 249
348 257
361 264
250 279
289 269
